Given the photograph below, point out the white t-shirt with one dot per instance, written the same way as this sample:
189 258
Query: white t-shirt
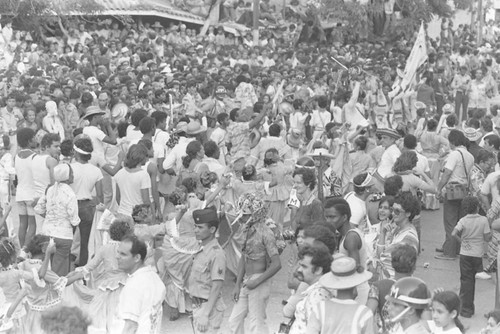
455 163
96 136
133 134
85 178
130 185
389 157
489 186
141 301
358 210
41 174
438 330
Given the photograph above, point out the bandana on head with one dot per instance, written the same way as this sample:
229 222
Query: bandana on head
253 205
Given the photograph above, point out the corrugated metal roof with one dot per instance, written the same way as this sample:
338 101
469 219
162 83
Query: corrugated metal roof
147 7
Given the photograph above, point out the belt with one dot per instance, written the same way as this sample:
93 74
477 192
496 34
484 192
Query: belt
197 301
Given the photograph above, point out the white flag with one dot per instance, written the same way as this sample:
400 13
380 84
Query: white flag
417 57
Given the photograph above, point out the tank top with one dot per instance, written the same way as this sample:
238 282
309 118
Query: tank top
25 187
363 255
41 174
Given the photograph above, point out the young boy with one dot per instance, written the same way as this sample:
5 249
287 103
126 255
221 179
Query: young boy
207 276
472 230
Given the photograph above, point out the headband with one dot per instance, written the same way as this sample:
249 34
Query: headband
366 182
79 150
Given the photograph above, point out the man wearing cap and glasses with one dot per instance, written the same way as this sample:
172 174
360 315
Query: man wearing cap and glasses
207 274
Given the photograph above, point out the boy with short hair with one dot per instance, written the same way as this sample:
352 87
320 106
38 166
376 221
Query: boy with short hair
472 230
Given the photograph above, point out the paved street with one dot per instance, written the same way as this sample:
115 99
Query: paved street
439 274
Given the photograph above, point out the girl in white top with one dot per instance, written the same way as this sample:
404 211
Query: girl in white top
132 182
445 311
52 123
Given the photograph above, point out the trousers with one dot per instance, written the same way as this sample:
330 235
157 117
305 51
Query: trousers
251 304
451 215
469 267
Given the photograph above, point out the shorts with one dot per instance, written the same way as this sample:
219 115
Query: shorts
25 208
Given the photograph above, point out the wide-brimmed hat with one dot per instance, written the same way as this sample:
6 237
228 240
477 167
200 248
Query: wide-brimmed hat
420 105
321 152
344 275
93 110
194 128
389 133
181 127
294 139
472 134
447 108
119 111
220 90
157 25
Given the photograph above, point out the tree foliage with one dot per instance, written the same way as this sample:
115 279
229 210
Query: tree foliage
31 14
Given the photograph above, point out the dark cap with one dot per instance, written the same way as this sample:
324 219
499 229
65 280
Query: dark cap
206 216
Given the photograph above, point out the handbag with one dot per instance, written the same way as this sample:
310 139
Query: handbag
285 327
458 191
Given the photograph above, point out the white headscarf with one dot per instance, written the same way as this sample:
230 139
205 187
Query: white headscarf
51 108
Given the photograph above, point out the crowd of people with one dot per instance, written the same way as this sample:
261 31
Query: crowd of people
149 166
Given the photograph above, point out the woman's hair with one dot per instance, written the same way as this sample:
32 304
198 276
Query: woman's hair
451 302
393 185
120 228
495 314
361 143
387 198
191 152
35 246
178 196
7 252
451 120
248 172
470 205
340 205
190 184
320 232
432 124
405 162
409 203
404 259
135 156
84 144
65 319
308 176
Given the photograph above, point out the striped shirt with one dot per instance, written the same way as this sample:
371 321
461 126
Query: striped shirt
340 316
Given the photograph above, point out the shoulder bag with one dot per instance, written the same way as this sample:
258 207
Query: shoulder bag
458 191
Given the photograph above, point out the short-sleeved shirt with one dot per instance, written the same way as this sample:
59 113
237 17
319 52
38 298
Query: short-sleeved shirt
260 242
389 157
411 183
130 185
358 210
208 265
239 137
472 228
141 300
11 117
455 163
85 178
96 136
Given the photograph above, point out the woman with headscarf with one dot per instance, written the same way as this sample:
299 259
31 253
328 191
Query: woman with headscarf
52 123
59 206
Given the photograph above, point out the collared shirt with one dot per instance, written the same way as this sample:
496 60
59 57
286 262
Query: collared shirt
455 163
11 118
239 136
312 296
259 242
174 158
209 265
141 300
60 207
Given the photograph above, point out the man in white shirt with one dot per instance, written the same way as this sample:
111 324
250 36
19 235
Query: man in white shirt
212 153
357 199
94 116
219 136
140 305
388 139
173 160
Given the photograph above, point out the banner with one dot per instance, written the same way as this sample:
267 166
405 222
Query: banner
417 58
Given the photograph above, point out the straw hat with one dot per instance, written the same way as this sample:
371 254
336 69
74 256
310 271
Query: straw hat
194 128
472 134
93 110
321 152
389 133
344 275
